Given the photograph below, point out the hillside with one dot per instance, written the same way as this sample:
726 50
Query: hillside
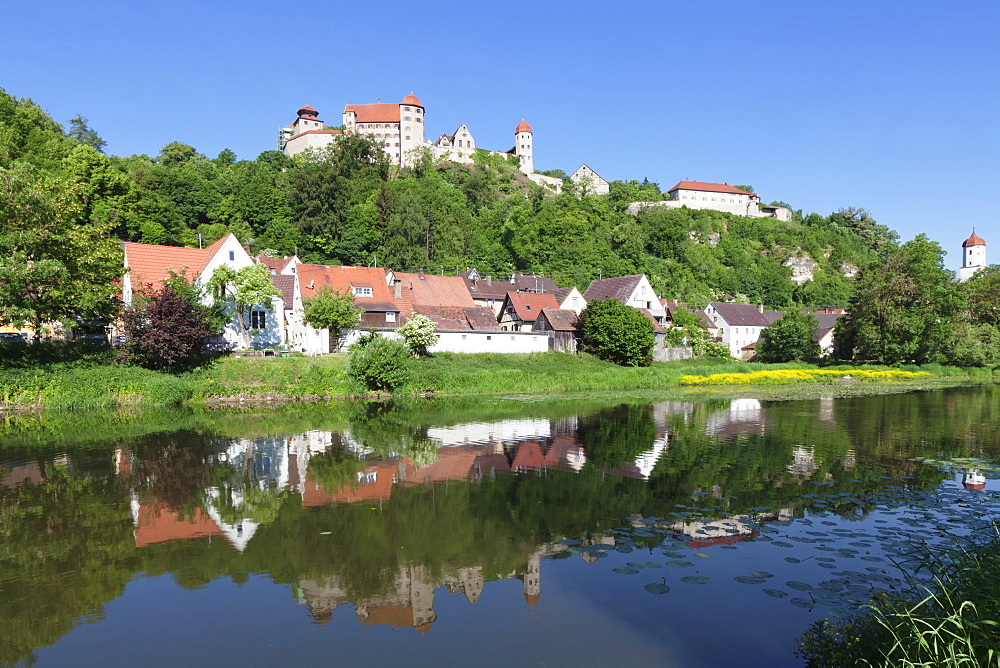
350 207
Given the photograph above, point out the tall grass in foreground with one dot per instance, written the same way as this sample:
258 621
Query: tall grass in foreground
953 624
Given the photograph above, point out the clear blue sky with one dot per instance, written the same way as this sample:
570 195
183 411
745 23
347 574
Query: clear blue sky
891 106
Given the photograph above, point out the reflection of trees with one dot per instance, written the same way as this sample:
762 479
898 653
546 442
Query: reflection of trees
616 436
334 470
66 548
174 469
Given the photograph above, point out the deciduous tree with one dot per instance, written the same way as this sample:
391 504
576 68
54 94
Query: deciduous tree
616 332
790 338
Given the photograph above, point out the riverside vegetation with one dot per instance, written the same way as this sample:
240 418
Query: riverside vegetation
68 376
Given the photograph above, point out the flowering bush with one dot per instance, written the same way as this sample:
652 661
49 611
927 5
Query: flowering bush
790 376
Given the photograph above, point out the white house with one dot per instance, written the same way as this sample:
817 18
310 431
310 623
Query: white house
635 291
739 324
147 266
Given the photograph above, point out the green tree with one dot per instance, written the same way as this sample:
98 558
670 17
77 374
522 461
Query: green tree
790 338
243 289
615 332
80 131
332 310
53 264
419 333
903 307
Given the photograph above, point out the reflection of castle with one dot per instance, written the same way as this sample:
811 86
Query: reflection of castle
410 603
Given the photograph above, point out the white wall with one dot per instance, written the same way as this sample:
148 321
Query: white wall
491 342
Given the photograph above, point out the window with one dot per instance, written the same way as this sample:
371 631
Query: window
232 256
420 120
362 291
406 108
407 137
390 316
464 337
258 320
407 118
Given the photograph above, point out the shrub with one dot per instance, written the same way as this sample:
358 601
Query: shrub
419 334
617 333
166 330
379 363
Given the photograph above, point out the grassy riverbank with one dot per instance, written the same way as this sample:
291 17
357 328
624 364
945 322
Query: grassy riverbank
91 382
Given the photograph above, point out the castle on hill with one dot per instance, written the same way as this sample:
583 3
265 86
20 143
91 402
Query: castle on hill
399 129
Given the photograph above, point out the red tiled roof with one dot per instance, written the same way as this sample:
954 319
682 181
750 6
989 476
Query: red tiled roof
475 318
156 523
150 264
708 187
974 240
529 304
529 457
412 99
343 279
522 127
619 288
560 320
431 290
275 264
308 108
375 113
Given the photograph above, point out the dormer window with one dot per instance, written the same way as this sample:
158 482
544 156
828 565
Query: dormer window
361 290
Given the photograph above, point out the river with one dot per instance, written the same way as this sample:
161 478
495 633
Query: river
488 530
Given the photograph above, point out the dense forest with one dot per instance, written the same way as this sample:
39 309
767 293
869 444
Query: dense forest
349 206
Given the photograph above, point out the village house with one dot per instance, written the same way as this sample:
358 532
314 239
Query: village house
715 196
635 291
147 266
561 326
371 293
521 309
739 325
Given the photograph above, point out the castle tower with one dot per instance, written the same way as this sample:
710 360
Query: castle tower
533 577
411 127
973 256
522 146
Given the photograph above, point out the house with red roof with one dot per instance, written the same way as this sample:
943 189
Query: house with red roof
367 285
521 309
715 196
147 266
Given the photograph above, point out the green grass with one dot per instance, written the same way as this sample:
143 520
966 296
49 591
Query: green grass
91 381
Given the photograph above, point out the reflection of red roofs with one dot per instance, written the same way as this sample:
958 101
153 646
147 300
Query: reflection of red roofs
376 486
529 457
156 523
424 628
720 540
391 615
453 464
28 474
971 485
531 599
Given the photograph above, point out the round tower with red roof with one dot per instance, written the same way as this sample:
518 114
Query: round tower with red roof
411 126
522 146
973 256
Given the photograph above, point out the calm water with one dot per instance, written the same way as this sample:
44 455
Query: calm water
497 531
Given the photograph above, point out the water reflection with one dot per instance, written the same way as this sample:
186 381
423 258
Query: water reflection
391 508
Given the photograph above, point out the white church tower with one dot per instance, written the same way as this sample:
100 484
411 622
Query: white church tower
522 146
973 256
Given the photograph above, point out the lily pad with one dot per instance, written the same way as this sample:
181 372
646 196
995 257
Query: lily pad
762 574
702 555
801 586
625 570
657 588
776 593
749 580
680 564
696 579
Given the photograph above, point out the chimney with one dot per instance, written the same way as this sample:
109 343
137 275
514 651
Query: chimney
421 274
760 307
489 280
246 247
398 285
